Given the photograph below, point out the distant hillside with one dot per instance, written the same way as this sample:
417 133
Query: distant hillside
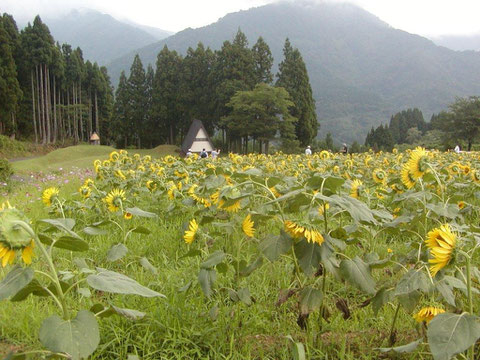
362 70
101 37
157 33
459 42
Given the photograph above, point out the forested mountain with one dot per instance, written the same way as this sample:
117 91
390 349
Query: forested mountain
101 37
362 70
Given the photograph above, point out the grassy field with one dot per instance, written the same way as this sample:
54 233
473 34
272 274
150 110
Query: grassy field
253 303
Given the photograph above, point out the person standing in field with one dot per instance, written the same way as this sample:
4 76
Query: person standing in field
215 153
308 151
203 154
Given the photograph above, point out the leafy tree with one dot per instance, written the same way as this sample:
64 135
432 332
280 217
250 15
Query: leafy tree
401 122
293 77
137 105
119 127
261 113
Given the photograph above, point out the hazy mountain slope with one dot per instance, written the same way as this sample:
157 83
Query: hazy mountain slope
362 70
157 33
101 37
459 42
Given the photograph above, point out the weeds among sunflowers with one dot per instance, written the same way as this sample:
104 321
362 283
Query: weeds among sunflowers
317 218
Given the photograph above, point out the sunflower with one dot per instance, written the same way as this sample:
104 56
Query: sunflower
49 196
247 226
114 199
189 235
169 160
355 189
85 191
441 242
417 162
14 238
427 314
127 215
323 208
88 182
299 231
461 204
466 169
324 155
475 176
230 208
151 185
119 174
379 176
114 156
407 178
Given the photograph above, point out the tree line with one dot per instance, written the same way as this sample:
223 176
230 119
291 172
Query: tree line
231 90
48 93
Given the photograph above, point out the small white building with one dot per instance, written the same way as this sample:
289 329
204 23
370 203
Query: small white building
197 139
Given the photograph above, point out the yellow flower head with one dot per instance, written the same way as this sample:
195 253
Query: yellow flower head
461 204
114 199
127 215
355 189
114 156
324 155
407 178
427 314
88 182
151 185
49 195
417 164
247 226
189 235
233 208
323 208
379 176
85 191
299 231
475 176
14 238
441 242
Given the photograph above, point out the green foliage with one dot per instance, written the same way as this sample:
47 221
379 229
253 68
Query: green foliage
380 139
5 170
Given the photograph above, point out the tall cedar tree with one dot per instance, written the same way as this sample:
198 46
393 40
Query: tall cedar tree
263 61
197 91
10 92
146 134
137 92
119 129
293 77
167 114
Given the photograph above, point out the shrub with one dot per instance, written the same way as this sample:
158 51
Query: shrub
5 170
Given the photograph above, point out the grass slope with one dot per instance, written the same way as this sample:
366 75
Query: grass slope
81 156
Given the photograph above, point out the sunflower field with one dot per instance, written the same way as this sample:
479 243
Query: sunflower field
328 256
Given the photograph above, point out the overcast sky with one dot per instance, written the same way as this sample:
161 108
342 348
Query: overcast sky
424 17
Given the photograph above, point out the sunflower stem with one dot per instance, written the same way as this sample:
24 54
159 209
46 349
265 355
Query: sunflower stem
56 282
471 351
392 330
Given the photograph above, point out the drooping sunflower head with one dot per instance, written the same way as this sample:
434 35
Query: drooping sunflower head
189 235
49 196
322 208
151 185
297 231
355 188
427 314
232 207
407 178
114 156
418 162
14 237
324 155
114 199
441 243
247 226
475 176
88 182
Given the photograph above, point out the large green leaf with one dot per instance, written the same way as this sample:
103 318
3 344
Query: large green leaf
309 256
310 300
94 230
15 281
71 243
206 279
113 282
139 212
65 225
116 252
411 281
404 349
275 246
214 259
298 350
382 297
148 266
356 272
78 337
358 210
101 311
450 334
248 269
